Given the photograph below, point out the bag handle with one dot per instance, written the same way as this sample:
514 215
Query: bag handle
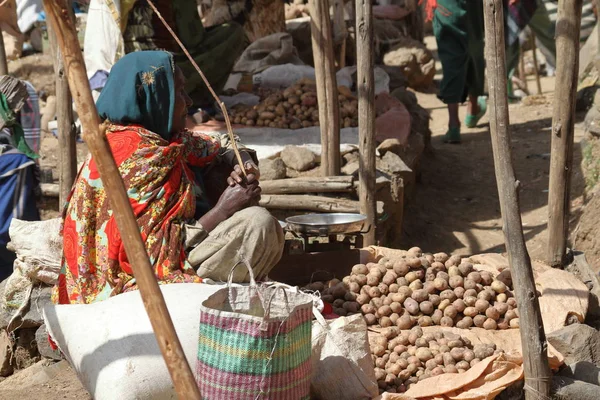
250 271
275 287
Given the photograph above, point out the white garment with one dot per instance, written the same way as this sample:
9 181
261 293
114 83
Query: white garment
28 12
103 42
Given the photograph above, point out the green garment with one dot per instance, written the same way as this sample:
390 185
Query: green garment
138 98
214 49
18 135
544 31
458 30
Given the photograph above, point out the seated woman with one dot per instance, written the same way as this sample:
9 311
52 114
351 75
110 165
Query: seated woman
163 168
214 49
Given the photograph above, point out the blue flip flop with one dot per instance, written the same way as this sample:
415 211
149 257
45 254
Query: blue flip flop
452 135
472 120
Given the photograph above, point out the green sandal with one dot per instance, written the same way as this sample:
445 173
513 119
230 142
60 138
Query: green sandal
472 120
452 135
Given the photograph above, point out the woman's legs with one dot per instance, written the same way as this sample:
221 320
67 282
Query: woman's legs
252 234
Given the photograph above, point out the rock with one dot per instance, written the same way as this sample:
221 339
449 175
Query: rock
394 164
351 168
570 389
586 98
40 297
582 371
291 173
577 342
351 157
298 158
592 120
6 354
414 60
392 145
26 353
272 169
41 339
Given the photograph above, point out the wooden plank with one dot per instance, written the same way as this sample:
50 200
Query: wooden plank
308 203
329 184
3 62
327 94
67 135
563 129
94 135
533 339
366 115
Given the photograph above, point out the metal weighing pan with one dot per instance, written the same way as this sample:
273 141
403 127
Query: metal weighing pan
326 224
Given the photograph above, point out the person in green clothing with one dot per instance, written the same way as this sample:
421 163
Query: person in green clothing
214 49
458 29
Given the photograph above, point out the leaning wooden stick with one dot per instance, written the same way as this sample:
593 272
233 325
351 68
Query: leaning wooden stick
217 99
181 374
533 339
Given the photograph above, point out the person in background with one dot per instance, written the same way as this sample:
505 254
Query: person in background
19 180
13 37
458 30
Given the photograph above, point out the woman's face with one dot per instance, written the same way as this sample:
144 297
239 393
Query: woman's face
182 102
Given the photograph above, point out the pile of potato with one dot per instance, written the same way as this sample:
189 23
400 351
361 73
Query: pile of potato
425 290
294 108
401 359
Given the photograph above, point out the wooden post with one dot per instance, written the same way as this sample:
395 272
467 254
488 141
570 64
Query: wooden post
181 374
365 64
536 71
3 63
67 136
533 339
327 94
340 32
563 120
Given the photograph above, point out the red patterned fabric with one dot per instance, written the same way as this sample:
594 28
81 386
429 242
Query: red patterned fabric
162 192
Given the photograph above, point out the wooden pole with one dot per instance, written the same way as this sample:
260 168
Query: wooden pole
536 71
365 64
181 374
3 63
327 94
563 121
533 339
67 136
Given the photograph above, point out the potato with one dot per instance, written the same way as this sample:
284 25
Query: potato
455 281
338 303
443 304
459 292
512 302
420 274
385 322
411 306
448 359
501 307
478 320
370 319
435 299
419 295
402 282
416 285
459 305
470 293
465 323
442 275
469 284
386 300
404 322
498 287
465 268
360 269
492 313
411 277
401 268
474 276
368 309
390 378
383 288
393 288
503 324
384 311
372 279
398 297
394 317
436 317
354 289
486 294
363 299
440 284
453 271
340 311
351 306
424 354
490 324
414 360
510 314
486 278
453 261
450 311
514 323
481 305
457 353
448 294
462 365
470 312
361 279
425 321
447 322
429 288
421 342
374 292
389 278
426 307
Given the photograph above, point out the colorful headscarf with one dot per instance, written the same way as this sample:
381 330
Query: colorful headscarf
140 90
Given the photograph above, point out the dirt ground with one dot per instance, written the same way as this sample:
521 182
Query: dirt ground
455 207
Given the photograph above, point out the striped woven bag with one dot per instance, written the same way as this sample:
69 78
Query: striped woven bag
255 343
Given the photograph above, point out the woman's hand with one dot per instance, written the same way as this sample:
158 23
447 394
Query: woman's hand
237 176
239 196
